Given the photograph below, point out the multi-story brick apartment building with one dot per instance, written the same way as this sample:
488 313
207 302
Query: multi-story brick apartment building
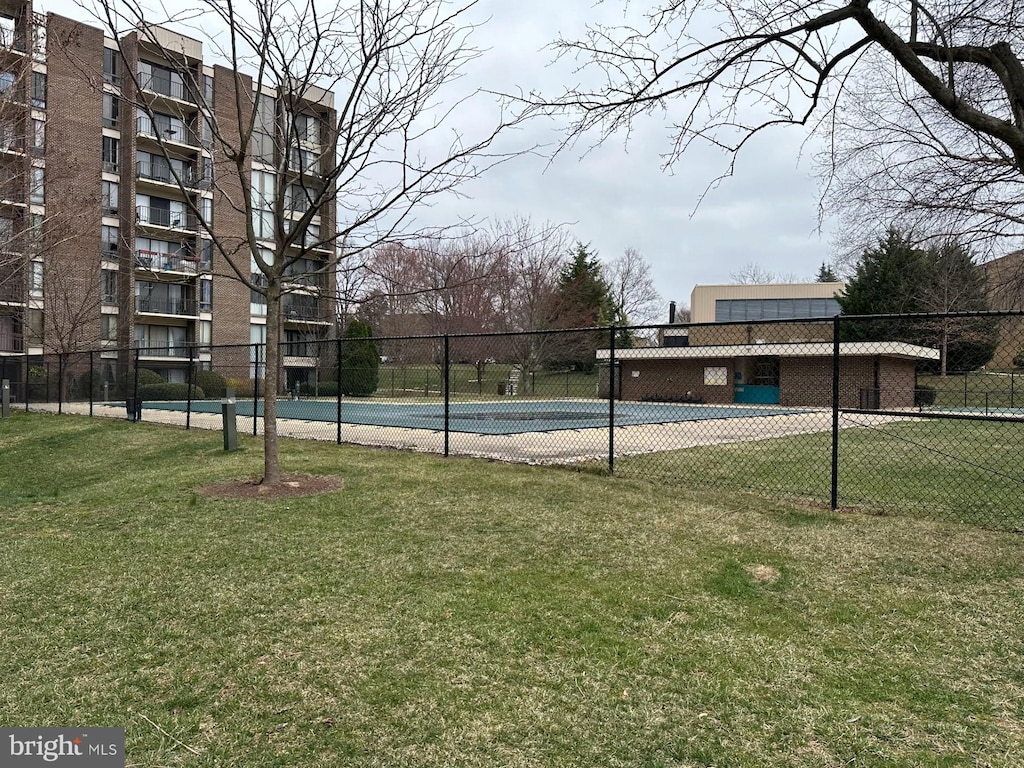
102 245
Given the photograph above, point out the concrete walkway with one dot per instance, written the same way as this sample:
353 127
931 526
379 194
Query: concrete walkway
558 447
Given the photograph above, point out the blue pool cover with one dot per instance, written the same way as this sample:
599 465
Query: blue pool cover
489 418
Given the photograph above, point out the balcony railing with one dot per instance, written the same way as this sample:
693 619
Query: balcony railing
166 306
161 350
309 279
12 193
162 217
156 261
164 87
302 311
161 173
182 135
10 342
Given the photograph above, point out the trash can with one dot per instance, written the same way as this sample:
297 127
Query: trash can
869 399
501 389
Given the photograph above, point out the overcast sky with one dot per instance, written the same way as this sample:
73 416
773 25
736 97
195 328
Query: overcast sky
616 195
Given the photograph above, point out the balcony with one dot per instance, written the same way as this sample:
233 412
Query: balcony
153 350
163 217
12 193
162 174
154 261
11 342
302 310
162 86
161 305
182 135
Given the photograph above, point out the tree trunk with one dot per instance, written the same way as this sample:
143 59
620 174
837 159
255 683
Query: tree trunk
271 367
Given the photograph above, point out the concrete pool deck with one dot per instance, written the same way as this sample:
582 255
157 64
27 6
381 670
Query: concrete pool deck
563 446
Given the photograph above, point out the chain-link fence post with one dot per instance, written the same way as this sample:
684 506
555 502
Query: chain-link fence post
834 495
337 395
191 380
445 376
255 386
92 380
611 399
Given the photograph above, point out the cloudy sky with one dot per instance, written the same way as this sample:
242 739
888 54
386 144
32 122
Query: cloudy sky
616 195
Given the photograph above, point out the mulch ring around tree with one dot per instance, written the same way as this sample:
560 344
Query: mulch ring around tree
289 487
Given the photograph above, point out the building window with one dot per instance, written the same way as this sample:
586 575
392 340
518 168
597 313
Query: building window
716 376
39 42
206 254
264 130
111 152
38 137
205 295
6 234
108 327
111 67
7 80
111 109
153 77
109 238
37 190
108 286
108 197
39 90
205 330
35 285
258 338
206 210
7 32
745 310
304 160
208 90
263 187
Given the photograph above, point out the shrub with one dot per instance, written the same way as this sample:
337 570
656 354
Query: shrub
211 382
323 389
924 395
242 387
147 376
169 391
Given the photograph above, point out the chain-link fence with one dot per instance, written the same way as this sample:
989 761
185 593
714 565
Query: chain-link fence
919 413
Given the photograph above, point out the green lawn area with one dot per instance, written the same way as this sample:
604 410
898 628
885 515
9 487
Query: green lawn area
977 389
458 612
963 470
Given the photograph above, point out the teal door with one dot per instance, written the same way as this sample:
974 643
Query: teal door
760 394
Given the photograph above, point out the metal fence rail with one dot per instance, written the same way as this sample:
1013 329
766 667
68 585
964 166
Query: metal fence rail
920 413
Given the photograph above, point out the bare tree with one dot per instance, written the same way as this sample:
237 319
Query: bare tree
344 105
526 288
896 157
739 67
755 274
636 300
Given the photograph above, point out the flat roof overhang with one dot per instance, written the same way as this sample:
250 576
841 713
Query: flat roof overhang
893 349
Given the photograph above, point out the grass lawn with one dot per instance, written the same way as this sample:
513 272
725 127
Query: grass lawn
461 613
963 470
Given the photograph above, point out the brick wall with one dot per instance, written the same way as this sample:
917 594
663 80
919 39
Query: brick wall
230 296
73 172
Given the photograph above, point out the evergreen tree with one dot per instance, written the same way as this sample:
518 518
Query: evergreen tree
582 300
826 274
360 361
898 277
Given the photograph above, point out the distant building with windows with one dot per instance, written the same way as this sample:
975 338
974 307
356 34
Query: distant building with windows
86 191
732 352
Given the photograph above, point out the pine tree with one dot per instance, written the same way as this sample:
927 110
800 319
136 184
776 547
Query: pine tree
360 361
